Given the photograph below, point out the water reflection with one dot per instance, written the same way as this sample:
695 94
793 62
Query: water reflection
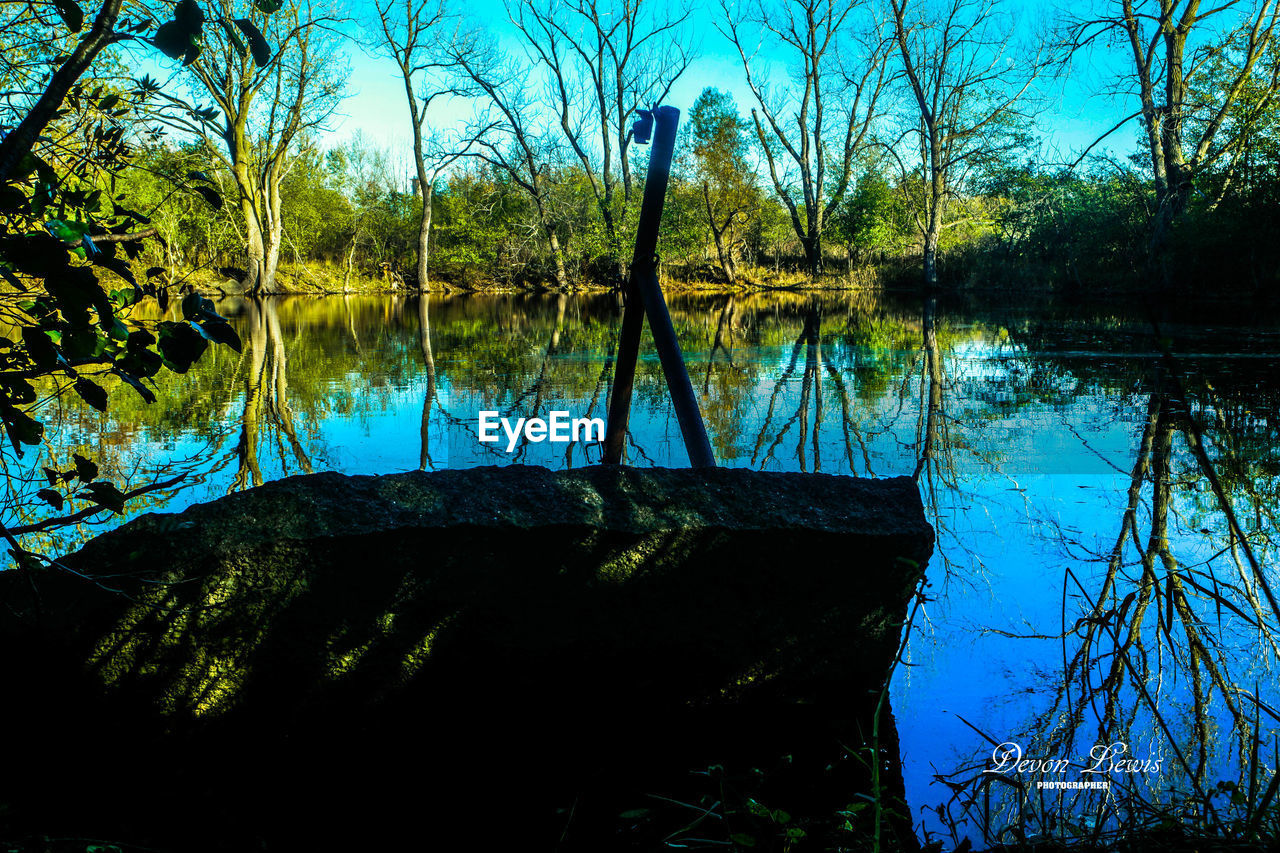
1103 492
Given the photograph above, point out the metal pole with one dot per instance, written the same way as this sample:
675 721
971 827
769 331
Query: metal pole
644 294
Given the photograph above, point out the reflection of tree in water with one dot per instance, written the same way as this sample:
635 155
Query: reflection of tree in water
1169 648
807 416
429 366
266 398
500 373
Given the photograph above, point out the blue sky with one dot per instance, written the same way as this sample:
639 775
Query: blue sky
1072 118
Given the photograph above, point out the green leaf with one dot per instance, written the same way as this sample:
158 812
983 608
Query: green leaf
140 340
180 38
193 306
22 428
172 40
52 498
189 14
220 332
80 344
210 195
136 384
92 393
86 469
71 14
12 199
233 37
39 347
17 391
181 345
742 839
257 44
107 495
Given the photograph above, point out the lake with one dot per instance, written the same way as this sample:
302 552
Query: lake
1102 480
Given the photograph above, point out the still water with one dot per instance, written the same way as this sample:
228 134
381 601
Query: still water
1103 487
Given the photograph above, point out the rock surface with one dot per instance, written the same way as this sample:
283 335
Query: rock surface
489 624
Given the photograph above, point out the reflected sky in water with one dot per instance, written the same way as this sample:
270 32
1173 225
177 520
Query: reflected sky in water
1026 430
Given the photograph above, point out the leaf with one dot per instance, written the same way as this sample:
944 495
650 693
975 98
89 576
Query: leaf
189 14
107 495
92 393
22 428
192 306
269 7
143 391
12 199
257 44
742 839
37 254
180 38
139 363
81 343
68 232
86 469
220 332
71 14
200 311
17 391
51 497
172 39
236 42
139 340
211 196
39 347
181 345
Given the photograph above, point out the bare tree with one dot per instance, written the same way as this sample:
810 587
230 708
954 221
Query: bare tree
1189 68
814 127
604 60
967 81
410 31
505 133
264 111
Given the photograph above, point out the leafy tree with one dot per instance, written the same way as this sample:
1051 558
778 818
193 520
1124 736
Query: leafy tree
875 217
718 155
64 229
265 105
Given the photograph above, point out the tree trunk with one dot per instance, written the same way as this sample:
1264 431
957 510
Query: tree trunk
270 261
255 261
931 258
562 277
717 233
1171 203
429 363
424 233
813 253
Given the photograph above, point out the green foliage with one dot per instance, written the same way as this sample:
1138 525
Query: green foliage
874 217
68 240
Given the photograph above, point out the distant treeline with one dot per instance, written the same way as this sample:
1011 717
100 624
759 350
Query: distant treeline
351 217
